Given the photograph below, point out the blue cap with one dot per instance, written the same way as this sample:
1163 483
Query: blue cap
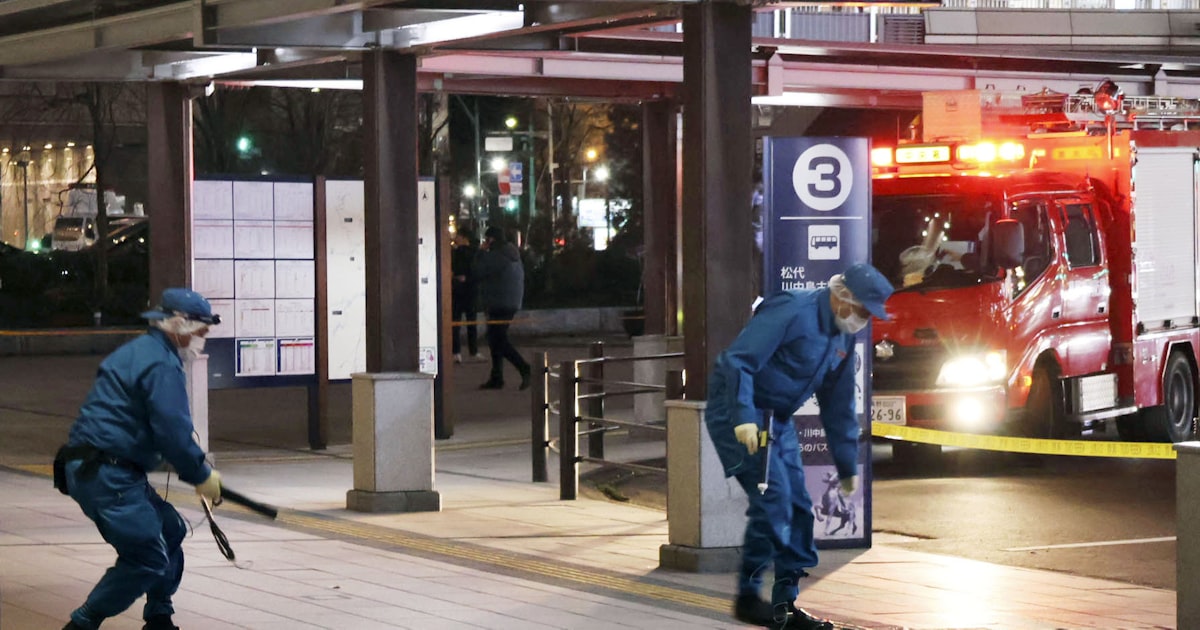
192 305
869 287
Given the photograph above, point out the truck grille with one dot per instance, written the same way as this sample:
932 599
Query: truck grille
909 368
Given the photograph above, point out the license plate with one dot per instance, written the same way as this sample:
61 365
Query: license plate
888 410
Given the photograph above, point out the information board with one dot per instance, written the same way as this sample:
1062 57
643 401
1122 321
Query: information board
252 257
816 223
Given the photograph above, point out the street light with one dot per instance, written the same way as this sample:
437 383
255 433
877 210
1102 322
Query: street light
469 191
511 122
591 155
498 164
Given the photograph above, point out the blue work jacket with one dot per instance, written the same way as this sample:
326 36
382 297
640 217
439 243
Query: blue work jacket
138 409
790 350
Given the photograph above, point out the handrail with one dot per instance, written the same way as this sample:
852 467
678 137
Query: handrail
575 407
645 357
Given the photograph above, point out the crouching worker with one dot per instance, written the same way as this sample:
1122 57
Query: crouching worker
798 344
135 416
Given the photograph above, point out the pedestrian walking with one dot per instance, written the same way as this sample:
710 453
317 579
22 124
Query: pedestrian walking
501 277
798 344
463 294
135 416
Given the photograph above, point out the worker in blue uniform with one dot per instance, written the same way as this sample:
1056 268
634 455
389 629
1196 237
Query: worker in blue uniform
798 344
135 416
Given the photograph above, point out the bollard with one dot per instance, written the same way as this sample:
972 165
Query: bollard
595 406
539 429
568 438
1187 536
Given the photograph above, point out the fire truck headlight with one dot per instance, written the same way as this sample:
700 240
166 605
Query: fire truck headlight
973 370
968 413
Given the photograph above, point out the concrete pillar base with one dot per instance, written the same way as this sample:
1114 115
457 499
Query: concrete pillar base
700 559
706 520
402 501
393 443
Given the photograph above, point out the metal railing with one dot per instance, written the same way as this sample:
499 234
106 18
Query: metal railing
581 385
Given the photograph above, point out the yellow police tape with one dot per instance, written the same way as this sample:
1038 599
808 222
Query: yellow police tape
1080 448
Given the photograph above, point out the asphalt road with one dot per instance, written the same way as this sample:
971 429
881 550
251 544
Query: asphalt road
1007 509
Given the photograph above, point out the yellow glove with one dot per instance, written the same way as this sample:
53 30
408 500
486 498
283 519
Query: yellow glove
848 486
211 488
747 434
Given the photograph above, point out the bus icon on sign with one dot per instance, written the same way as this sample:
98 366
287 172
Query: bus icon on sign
824 242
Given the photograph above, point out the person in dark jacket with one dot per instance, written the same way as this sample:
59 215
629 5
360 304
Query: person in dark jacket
135 416
463 293
501 277
798 344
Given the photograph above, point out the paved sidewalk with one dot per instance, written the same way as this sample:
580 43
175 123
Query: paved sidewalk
502 553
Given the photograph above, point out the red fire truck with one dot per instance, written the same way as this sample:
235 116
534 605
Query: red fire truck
1046 278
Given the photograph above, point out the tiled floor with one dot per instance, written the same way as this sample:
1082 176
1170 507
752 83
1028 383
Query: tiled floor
503 553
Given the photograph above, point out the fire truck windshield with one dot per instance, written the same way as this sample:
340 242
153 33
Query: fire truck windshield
933 241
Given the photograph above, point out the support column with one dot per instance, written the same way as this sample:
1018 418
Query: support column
1187 554
390 210
392 401
169 151
661 220
718 239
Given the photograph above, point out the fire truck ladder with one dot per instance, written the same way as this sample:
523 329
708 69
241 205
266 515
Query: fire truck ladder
1135 112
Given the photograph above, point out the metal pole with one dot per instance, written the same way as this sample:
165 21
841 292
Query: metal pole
24 164
607 218
595 405
539 429
553 209
478 169
531 176
568 439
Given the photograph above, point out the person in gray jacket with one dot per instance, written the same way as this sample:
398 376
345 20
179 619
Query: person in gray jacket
501 280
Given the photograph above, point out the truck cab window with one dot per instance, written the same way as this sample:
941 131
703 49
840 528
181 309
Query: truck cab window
1038 253
925 242
1083 248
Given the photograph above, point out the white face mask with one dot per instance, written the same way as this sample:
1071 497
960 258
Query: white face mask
851 323
194 348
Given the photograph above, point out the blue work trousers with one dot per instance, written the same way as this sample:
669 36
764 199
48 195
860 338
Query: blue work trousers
146 532
779 529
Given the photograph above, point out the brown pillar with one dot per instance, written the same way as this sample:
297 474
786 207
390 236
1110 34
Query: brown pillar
718 235
169 135
661 221
390 211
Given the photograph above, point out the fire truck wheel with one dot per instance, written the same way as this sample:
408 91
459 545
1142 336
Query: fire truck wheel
1173 420
1044 408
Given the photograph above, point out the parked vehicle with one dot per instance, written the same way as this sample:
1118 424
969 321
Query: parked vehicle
1045 282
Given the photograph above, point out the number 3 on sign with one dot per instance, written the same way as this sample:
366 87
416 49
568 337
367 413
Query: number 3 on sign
822 177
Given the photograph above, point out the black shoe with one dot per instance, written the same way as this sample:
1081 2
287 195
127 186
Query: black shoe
492 384
526 372
799 619
71 625
752 610
160 622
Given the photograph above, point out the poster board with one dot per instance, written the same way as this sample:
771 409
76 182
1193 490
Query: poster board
252 257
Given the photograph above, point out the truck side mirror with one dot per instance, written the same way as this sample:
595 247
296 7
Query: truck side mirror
1008 240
